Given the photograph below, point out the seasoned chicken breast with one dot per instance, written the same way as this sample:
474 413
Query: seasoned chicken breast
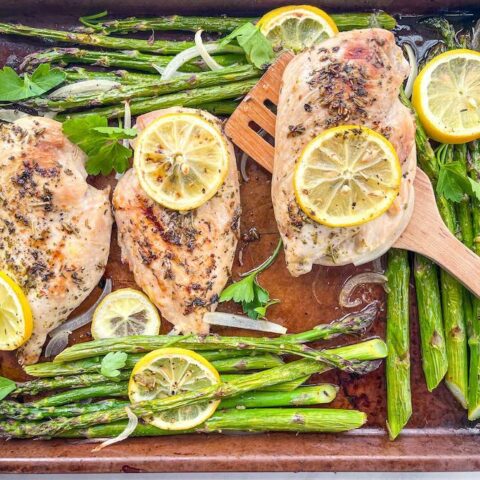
182 261
54 228
353 78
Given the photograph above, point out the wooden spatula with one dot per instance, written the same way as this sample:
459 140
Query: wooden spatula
425 234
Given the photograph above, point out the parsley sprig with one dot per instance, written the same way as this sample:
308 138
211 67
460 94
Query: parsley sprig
101 143
253 298
112 363
7 386
13 87
453 183
258 49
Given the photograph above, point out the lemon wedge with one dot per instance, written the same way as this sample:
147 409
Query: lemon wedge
16 321
347 176
181 160
446 96
170 371
296 27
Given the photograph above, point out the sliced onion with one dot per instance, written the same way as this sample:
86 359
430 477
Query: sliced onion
377 265
59 336
129 429
476 36
207 58
183 57
240 321
10 115
412 60
85 87
353 282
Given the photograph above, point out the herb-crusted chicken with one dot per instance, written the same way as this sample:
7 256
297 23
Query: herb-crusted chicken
350 79
181 260
54 228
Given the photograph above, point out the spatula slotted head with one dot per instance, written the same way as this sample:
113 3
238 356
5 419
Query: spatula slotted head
254 112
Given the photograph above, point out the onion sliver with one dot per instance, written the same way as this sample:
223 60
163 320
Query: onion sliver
183 57
129 429
85 87
10 115
59 336
207 58
412 60
240 321
354 282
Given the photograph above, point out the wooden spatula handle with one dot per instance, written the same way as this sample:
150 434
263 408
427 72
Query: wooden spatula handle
427 234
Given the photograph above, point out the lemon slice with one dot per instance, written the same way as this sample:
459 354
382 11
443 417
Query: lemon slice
446 96
16 321
171 371
347 176
125 312
296 27
181 160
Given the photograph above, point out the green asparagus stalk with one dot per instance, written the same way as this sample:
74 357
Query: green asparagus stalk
130 60
161 87
370 350
34 387
434 353
474 335
20 411
223 108
350 324
188 98
77 74
159 47
301 420
280 387
399 400
310 395
103 390
344 21
94 364
229 365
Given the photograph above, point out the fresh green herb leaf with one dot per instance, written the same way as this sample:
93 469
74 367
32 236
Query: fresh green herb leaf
453 184
249 293
112 363
7 386
14 88
101 143
257 48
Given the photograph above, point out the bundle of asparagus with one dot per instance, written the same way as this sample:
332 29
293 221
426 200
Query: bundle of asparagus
251 401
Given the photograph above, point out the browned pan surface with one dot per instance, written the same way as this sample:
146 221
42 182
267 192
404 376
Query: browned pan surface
437 437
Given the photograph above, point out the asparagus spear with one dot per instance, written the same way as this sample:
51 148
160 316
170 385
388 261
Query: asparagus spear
160 47
21 411
301 420
130 60
311 395
399 400
93 365
76 74
474 336
228 365
224 107
353 323
280 387
102 390
434 354
188 98
161 87
370 350
344 21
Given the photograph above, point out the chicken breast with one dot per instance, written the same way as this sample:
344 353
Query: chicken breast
353 78
54 228
182 261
